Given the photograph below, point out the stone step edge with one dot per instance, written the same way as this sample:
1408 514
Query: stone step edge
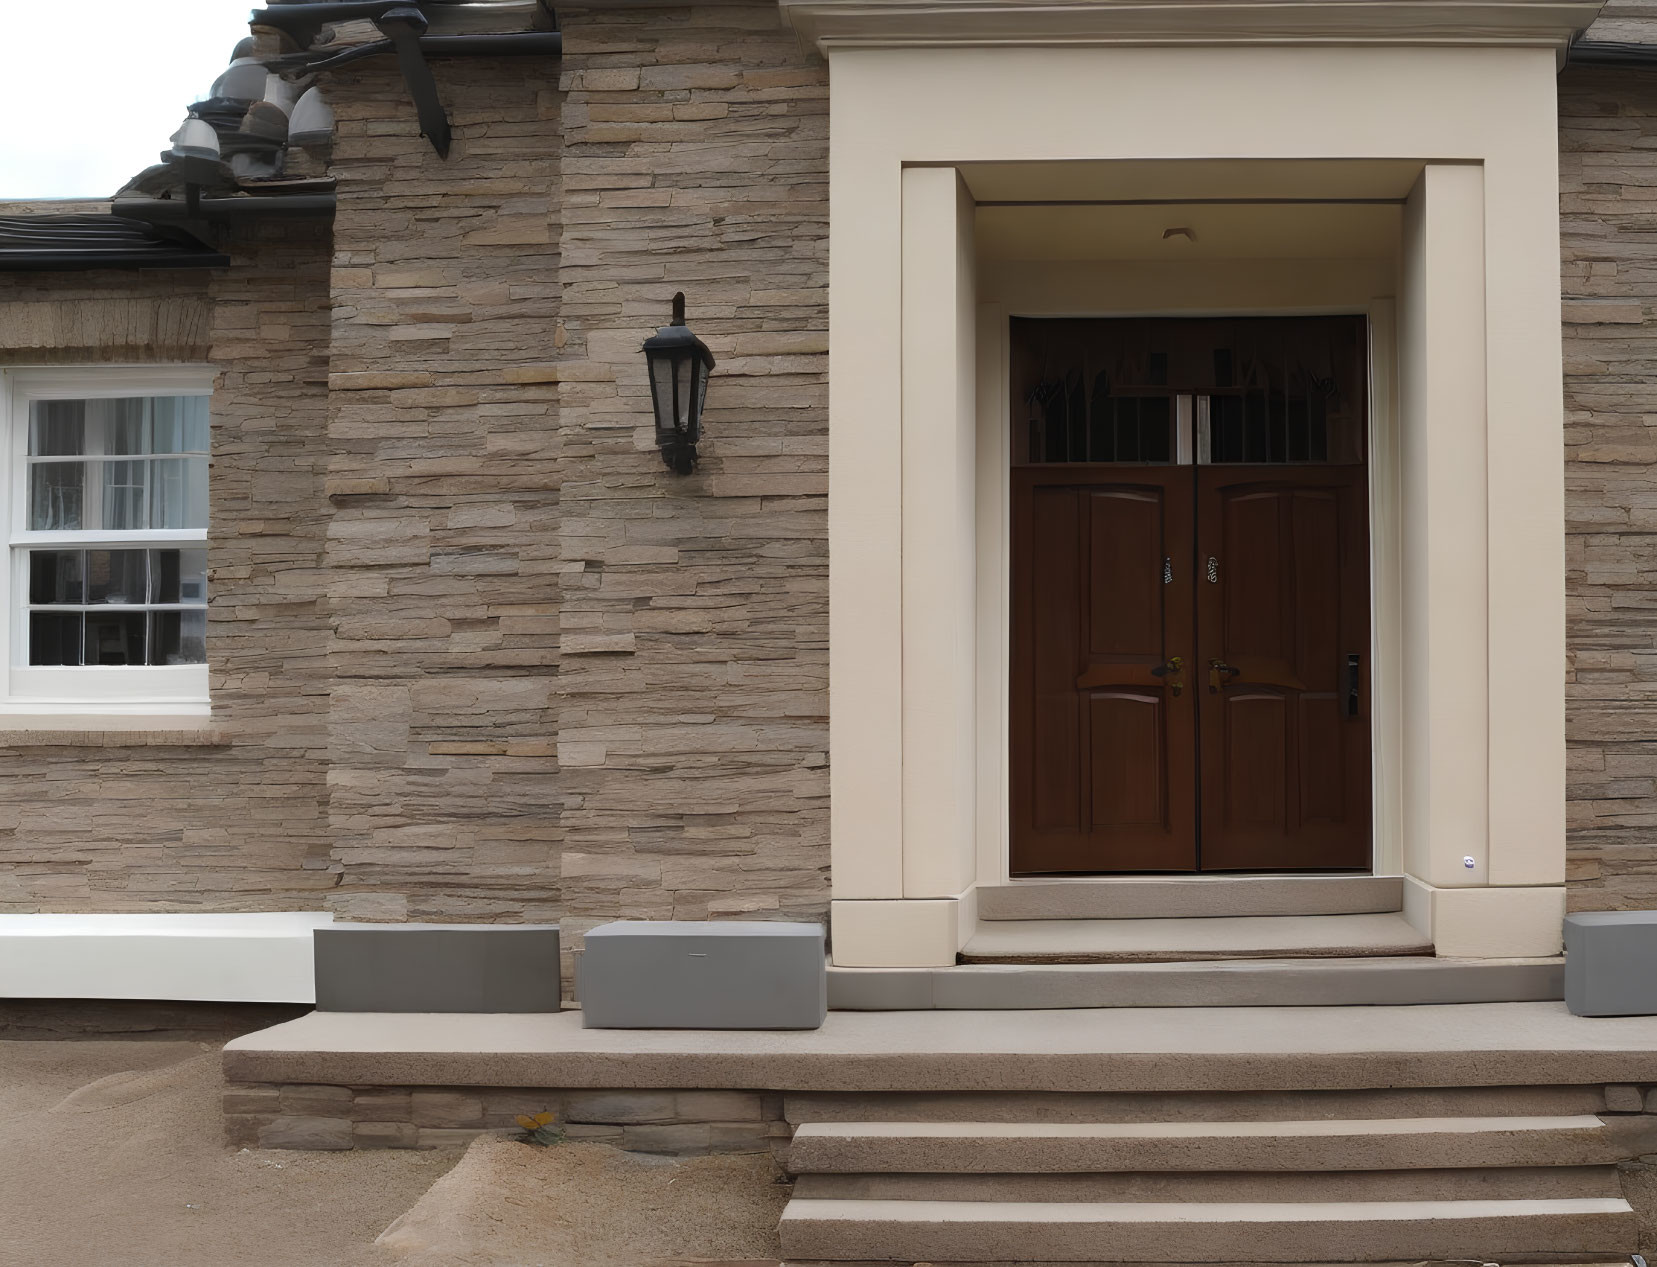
1200 1232
1574 1261
803 1209
1377 980
1180 1187
1306 1128
1388 1144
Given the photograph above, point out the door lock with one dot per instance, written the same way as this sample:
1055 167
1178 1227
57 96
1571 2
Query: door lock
1219 674
1171 671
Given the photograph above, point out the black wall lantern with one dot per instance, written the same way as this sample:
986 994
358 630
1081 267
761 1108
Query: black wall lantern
679 364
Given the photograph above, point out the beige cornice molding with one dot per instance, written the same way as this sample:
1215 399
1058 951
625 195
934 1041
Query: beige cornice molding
831 24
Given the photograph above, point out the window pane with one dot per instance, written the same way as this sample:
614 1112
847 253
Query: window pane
180 424
54 637
115 576
178 637
180 493
124 495
55 576
56 493
115 637
56 427
178 576
125 423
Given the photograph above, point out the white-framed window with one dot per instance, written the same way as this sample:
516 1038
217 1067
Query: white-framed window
104 498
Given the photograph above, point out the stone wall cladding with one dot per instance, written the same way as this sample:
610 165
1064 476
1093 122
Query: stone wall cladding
337 1118
693 681
231 818
1608 198
442 556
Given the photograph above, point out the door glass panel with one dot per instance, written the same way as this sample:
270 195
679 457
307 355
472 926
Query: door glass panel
1280 390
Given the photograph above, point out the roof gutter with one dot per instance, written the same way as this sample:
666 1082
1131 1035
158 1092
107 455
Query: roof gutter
240 207
509 44
1610 53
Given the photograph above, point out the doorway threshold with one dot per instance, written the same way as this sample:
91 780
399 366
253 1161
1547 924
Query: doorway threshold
1135 897
1187 940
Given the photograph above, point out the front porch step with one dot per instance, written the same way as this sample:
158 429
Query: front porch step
1203 1232
1505 1184
1187 940
1379 980
1094 1147
801 1107
1190 897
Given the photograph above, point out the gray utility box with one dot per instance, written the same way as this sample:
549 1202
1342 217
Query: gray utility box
1611 963
437 968
684 975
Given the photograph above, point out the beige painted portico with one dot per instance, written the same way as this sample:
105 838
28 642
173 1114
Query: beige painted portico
952 125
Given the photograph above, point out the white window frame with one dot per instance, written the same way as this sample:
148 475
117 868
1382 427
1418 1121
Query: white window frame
84 692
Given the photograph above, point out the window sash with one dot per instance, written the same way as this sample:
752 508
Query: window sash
176 689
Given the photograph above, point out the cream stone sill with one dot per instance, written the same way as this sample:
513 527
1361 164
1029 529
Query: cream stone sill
829 24
104 730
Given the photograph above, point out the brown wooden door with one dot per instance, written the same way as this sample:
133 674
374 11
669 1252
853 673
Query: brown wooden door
1104 749
1283 674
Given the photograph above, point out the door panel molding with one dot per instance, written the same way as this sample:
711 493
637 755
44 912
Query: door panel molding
1103 746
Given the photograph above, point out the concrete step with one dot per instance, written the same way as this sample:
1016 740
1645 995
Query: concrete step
1366 981
1184 940
1088 1147
1528 1183
1188 897
1190 1106
1207 1232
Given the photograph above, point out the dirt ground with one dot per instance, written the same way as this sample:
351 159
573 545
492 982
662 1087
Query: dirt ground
110 1153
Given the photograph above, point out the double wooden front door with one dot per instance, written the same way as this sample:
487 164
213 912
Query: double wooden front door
1190 664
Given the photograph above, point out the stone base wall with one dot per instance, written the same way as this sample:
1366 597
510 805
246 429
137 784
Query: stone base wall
336 1118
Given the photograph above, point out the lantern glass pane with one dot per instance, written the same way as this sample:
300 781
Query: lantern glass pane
681 391
661 391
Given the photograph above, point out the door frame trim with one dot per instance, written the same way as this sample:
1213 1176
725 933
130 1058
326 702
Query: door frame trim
993 565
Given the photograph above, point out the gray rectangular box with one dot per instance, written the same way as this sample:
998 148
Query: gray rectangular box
1611 963
686 975
437 968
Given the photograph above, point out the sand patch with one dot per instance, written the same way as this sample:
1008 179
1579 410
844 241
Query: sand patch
589 1205
112 1155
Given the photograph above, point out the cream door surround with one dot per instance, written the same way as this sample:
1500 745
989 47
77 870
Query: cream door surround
1478 512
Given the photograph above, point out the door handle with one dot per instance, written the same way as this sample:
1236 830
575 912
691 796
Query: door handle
1219 675
1172 671
1352 679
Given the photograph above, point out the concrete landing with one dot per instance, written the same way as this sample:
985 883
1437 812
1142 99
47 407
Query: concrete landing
1185 940
1372 981
1110 1049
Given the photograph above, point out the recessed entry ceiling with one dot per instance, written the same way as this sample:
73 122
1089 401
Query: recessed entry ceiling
1140 180
1189 231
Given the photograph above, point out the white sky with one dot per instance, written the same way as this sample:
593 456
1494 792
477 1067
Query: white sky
90 90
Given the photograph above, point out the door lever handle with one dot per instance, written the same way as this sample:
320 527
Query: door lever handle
1219 675
1171 670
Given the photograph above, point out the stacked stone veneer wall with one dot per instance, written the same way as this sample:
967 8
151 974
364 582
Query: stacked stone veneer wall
1608 201
693 689
442 447
476 653
231 818
685 1123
